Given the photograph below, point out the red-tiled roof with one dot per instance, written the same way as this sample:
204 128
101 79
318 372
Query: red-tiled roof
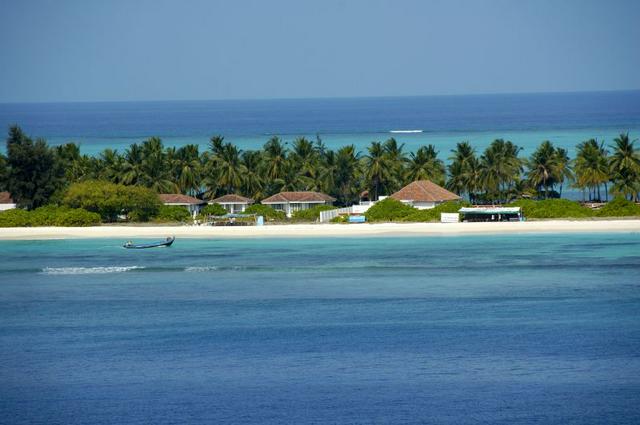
231 198
5 198
283 197
424 191
176 198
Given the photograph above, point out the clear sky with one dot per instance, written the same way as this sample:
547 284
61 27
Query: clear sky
90 50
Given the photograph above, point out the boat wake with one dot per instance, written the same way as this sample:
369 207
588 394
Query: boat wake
406 131
89 270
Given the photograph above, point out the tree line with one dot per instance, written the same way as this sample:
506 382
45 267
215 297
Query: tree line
36 174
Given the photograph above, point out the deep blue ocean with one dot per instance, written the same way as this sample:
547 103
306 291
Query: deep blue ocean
526 119
520 329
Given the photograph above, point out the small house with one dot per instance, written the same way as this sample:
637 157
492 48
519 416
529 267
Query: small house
234 204
424 194
290 202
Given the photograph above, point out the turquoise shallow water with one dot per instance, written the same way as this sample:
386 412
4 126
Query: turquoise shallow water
483 329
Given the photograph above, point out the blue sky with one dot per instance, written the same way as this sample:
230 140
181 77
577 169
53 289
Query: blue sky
164 50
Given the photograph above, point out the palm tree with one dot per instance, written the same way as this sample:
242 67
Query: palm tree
625 167
304 161
500 170
563 168
425 165
378 170
275 158
230 170
252 182
397 160
346 176
186 168
463 170
543 166
592 168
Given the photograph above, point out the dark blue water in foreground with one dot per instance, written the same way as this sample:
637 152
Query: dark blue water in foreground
527 119
448 330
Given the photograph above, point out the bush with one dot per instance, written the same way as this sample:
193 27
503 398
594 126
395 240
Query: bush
619 207
340 219
266 211
111 200
389 209
433 214
49 216
173 213
552 208
212 209
14 218
78 218
311 214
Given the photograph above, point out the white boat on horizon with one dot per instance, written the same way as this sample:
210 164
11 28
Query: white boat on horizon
406 131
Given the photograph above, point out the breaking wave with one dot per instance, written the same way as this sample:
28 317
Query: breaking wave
89 270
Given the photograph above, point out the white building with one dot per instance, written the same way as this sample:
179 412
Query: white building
424 194
290 202
6 203
234 204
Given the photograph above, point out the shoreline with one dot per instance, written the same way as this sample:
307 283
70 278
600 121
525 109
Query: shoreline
322 230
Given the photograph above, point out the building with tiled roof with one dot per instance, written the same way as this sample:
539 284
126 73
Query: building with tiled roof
290 202
424 194
176 199
234 204
6 202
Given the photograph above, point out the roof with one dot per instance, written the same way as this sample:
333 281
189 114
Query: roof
489 210
424 191
177 198
231 199
5 198
284 197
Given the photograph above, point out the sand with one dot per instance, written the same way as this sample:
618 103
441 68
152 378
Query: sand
320 230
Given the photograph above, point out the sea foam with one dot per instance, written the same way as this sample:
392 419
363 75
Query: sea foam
89 270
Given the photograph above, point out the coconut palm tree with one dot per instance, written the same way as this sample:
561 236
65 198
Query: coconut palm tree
625 167
378 168
252 182
425 165
347 175
463 170
275 158
592 168
542 168
563 168
397 160
500 170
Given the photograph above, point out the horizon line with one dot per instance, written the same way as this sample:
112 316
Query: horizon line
243 99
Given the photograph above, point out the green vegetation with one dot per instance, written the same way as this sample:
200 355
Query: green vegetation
552 208
388 209
312 214
619 207
212 209
32 172
266 211
391 210
37 175
49 216
172 214
433 214
112 200
14 218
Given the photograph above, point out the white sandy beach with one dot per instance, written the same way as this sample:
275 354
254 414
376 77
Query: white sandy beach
320 230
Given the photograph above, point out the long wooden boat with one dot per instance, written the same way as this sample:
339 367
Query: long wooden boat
166 242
